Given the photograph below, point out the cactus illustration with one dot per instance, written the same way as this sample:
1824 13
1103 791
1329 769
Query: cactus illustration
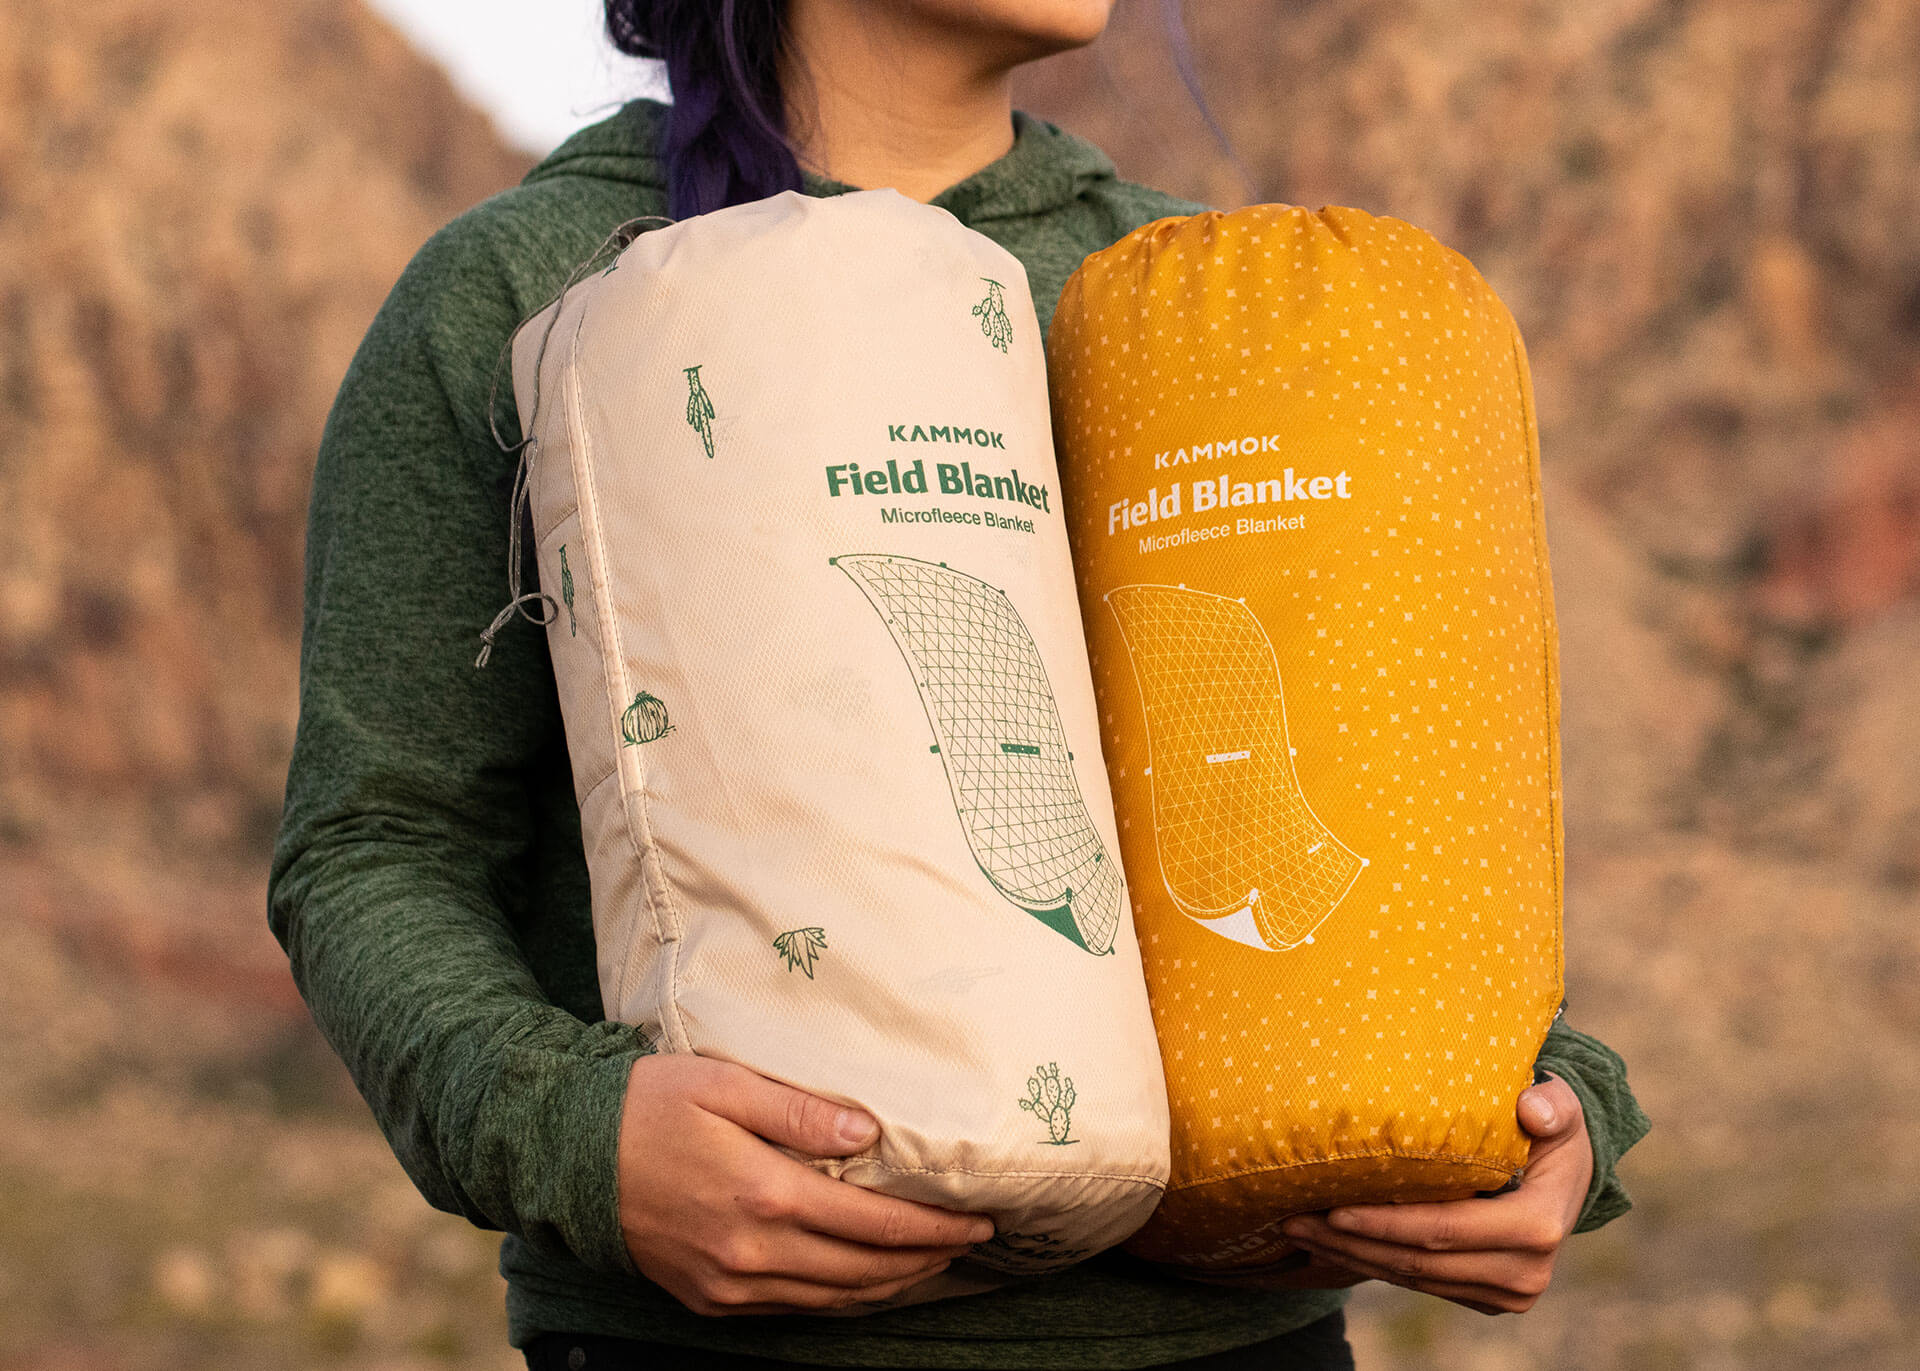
566 592
1050 1098
992 313
644 721
800 947
699 408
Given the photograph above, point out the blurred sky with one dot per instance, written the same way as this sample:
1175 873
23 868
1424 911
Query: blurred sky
541 67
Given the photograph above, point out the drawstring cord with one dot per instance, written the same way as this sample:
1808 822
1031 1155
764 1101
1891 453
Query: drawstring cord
517 604
525 450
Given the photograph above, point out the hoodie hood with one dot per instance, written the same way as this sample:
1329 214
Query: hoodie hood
1046 169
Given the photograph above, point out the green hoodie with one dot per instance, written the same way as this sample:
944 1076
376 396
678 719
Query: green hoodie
429 886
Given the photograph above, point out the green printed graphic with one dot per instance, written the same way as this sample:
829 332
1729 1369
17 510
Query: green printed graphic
1050 1099
800 947
992 314
699 408
645 720
998 733
566 591
1027 1252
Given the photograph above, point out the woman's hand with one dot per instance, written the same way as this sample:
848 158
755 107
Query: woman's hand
1495 1254
728 1224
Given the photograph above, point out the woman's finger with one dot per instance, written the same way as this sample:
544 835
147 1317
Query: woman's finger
1507 1296
841 1209
1491 1269
779 1295
1508 1289
779 1113
767 1195
1483 1298
1517 1220
808 1123
818 1259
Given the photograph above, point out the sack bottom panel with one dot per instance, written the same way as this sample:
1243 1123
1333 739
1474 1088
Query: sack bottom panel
1232 1226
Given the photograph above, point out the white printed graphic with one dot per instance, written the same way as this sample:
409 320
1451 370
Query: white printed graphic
1241 851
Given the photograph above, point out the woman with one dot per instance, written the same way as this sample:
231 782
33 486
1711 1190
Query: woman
429 886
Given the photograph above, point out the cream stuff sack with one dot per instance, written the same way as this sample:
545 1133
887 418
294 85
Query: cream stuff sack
1303 489
819 655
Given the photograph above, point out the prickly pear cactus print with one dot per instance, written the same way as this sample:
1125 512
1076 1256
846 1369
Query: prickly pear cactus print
1050 1099
699 409
645 720
992 314
800 946
566 592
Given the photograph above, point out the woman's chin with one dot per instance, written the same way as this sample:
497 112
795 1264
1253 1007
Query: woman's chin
1037 27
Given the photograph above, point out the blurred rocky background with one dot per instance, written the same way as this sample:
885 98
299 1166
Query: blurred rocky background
1701 211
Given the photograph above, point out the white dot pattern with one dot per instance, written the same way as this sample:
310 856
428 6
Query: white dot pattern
1411 624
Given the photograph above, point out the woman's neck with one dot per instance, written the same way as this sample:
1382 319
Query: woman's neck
879 96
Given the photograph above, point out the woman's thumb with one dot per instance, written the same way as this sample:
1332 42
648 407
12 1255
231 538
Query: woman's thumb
793 1118
1549 1108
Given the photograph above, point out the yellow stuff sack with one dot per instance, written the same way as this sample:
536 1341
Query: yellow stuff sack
1302 486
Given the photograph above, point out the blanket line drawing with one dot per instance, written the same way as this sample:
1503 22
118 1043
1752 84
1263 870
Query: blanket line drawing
1241 851
998 733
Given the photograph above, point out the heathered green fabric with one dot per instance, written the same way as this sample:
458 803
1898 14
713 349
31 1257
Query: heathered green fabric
429 886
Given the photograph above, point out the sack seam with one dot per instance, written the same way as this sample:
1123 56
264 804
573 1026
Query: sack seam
1530 432
587 509
1459 1157
892 1169
639 827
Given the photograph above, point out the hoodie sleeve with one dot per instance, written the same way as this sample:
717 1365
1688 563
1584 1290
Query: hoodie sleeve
399 875
1614 1118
